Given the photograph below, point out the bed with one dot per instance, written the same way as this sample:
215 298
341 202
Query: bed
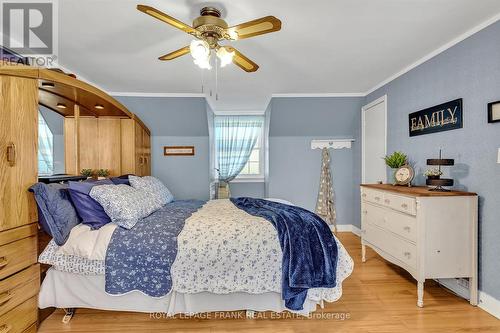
191 257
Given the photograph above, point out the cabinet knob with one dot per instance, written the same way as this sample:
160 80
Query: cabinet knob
3 262
407 255
407 228
5 328
363 195
377 198
5 297
405 206
365 212
387 201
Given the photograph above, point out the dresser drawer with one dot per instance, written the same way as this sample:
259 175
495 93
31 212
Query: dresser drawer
372 196
386 241
398 223
18 288
20 318
400 203
17 255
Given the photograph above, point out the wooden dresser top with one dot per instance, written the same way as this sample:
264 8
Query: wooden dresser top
416 191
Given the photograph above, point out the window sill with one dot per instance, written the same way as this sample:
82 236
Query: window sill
249 180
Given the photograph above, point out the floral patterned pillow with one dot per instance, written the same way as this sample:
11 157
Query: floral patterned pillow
152 185
124 204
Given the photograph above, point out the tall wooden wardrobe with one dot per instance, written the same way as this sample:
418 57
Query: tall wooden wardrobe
99 133
19 271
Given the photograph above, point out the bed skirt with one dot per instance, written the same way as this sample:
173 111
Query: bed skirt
68 290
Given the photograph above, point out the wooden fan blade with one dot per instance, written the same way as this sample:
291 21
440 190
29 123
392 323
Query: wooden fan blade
242 61
176 54
253 28
166 18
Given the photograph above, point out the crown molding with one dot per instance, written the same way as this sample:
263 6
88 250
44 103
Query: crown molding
417 63
145 94
319 95
437 51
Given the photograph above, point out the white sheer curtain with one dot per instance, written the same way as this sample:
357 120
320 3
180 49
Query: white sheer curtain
235 138
45 147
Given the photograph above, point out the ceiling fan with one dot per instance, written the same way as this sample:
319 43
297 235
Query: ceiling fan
209 29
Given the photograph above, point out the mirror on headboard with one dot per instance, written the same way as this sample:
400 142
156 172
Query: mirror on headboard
50 142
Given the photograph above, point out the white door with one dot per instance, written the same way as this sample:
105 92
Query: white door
374 125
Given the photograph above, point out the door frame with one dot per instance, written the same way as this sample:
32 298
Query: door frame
365 108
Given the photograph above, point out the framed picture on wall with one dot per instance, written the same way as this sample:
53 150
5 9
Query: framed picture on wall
494 112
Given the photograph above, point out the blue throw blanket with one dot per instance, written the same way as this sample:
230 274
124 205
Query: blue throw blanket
309 248
140 258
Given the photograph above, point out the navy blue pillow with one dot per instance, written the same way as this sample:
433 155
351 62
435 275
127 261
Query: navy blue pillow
120 180
56 213
89 210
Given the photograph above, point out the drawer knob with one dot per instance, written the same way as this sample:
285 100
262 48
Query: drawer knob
387 201
5 297
3 262
377 198
363 195
365 212
407 228
5 328
405 206
407 255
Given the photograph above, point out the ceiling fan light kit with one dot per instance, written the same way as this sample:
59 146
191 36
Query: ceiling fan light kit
209 29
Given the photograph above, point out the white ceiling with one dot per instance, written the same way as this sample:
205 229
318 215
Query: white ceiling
325 46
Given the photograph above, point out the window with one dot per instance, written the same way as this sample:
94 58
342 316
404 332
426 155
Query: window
45 148
235 135
254 167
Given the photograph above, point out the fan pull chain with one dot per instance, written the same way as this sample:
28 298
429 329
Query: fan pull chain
202 81
216 80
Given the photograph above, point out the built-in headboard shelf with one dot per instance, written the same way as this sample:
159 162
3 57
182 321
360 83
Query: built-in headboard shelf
332 144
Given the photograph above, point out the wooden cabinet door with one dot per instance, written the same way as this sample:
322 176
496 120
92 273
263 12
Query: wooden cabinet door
139 151
147 152
128 157
109 145
18 149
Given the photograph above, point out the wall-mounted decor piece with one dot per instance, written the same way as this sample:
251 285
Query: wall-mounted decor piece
494 112
332 144
442 117
178 150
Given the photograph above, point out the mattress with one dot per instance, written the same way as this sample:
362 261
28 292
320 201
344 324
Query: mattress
69 290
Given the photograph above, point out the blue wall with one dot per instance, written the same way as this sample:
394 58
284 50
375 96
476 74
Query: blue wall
469 70
294 168
176 121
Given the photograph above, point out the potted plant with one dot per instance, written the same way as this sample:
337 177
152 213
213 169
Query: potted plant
395 161
89 173
102 173
433 173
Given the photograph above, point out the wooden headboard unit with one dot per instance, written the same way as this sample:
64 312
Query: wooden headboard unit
99 131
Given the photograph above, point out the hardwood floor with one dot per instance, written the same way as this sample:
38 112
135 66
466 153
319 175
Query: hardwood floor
377 297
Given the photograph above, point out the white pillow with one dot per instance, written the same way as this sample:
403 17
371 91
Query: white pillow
152 185
124 204
87 243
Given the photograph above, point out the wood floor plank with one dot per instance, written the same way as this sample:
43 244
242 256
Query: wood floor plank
378 297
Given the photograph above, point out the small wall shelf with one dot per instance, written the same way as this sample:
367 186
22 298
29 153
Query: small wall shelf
332 144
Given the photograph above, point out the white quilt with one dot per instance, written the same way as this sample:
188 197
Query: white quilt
221 250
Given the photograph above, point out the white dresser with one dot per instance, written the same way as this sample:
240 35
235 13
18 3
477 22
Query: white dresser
429 234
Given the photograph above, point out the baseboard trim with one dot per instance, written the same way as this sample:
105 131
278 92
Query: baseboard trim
348 228
489 304
486 302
